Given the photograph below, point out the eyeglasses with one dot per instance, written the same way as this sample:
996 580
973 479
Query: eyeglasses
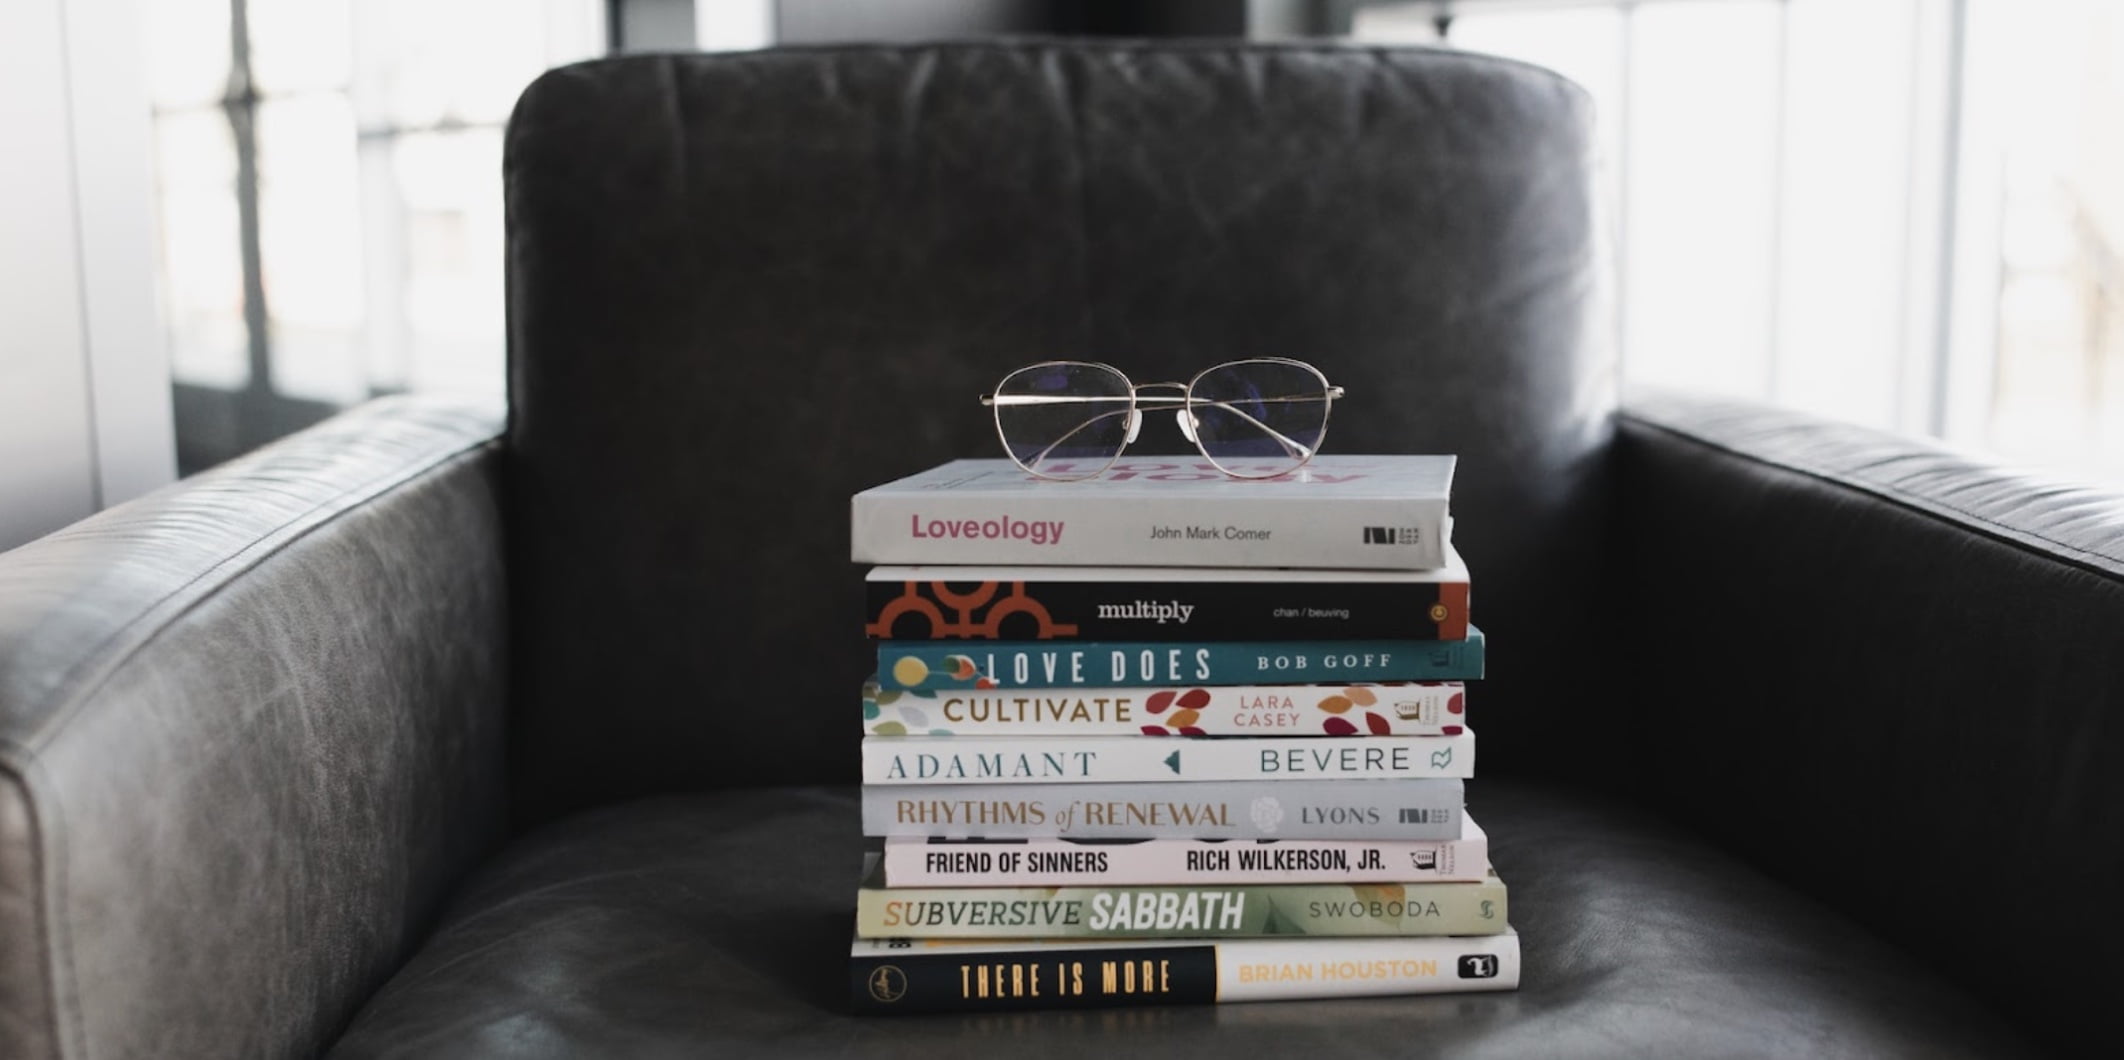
1069 420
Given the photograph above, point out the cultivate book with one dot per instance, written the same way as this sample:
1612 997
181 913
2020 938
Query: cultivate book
1178 910
937 862
1338 511
1166 603
891 760
1257 809
1397 708
900 975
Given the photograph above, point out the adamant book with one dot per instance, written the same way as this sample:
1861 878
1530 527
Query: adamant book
1339 511
895 760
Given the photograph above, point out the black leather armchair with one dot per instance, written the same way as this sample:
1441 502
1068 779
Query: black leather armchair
430 732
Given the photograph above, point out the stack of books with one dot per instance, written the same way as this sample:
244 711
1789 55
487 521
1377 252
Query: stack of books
1166 737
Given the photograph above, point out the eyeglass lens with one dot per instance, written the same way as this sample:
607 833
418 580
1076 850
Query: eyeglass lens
1064 419
1259 417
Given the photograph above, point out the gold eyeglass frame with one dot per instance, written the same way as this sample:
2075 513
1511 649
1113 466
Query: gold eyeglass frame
1183 403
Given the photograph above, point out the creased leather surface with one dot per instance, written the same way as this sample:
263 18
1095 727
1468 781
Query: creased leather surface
718 925
249 738
1891 674
744 287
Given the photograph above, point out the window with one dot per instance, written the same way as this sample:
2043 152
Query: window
329 185
1901 212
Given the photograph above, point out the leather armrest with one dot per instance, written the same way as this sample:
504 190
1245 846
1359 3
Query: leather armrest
1892 674
250 733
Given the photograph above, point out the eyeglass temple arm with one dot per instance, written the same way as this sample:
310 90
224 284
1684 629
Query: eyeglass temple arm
1290 445
1073 432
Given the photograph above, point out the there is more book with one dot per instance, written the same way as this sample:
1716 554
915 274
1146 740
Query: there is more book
902 975
1339 511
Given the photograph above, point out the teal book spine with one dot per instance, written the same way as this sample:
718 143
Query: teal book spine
930 666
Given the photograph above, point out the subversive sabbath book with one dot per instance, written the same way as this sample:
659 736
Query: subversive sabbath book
1340 511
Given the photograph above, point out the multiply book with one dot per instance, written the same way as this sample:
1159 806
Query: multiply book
1166 603
1399 708
890 760
900 975
935 862
1178 911
1261 809
1350 511
924 666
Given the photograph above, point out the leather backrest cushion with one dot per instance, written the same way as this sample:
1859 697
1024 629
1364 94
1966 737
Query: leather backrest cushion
743 287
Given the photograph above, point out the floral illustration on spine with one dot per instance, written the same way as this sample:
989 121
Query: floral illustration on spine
909 718
1351 703
1186 710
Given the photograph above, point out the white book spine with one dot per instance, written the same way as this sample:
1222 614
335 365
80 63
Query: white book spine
896 760
1187 530
1434 708
912 862
1267 970
1305 809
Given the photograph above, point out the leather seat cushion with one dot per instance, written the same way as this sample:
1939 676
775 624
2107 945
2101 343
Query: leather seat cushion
719 924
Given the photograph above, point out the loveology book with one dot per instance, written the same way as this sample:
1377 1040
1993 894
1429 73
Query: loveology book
924 666
1401 708
935 862
900 975
1166 603
900 760
1178 911
1261 809
1345 511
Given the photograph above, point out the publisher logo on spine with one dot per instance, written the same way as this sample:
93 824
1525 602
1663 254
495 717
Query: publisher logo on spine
888 984
1478 966
1392 535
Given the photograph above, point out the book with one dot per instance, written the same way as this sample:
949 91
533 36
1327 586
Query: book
1262 809
1388 708
937 862
900 760
1178 910
900 975
1166 603
925 666
1343 511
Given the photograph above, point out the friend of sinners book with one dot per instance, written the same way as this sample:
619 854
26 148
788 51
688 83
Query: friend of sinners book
937 862
900 975
1339 511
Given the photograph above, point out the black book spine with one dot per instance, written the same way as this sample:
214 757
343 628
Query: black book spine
1166 611
951 980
